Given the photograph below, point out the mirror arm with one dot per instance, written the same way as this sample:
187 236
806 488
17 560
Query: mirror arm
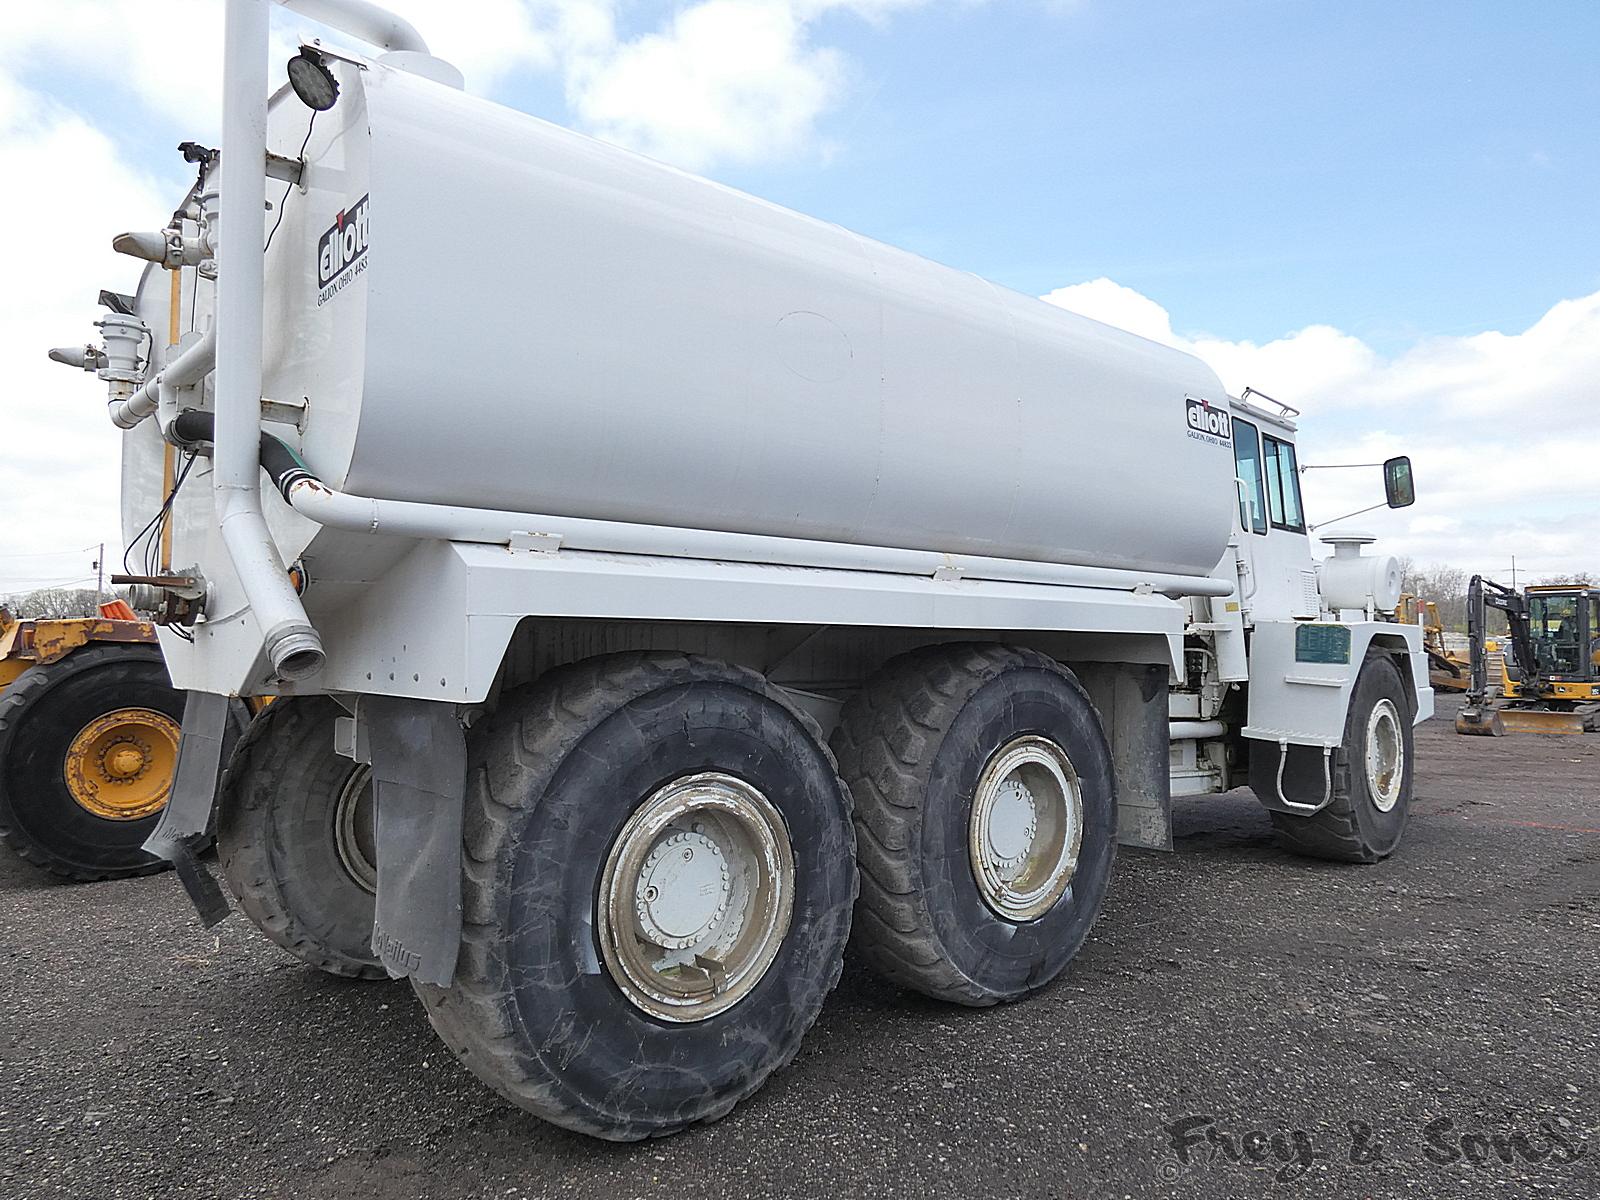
1346 517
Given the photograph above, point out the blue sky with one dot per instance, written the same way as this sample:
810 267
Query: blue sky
1383 212
1392 169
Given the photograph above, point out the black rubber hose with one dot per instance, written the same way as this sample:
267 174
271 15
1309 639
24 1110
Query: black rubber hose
278 459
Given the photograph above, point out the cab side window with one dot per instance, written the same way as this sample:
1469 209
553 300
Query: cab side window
1247 468
1283 485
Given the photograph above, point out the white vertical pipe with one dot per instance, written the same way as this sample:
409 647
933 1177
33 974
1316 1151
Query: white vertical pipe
292 645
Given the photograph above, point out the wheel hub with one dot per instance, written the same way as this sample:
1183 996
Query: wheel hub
683 890
126 761
1385 757
1013 822
119 766
696 897
1026 828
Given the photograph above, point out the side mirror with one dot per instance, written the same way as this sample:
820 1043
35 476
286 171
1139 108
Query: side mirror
1398 488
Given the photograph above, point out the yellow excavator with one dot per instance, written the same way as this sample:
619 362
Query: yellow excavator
1550 679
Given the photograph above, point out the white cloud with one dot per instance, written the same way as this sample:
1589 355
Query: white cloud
1111 302
714 81
165 52
168 53
717 81
1499 426
726 80
68 188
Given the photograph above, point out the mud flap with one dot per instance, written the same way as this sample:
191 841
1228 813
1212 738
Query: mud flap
419 770
187 817
1131 699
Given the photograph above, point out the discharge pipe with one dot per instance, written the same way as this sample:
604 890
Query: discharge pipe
293 646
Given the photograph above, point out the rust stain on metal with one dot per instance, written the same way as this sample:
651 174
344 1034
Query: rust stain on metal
27 643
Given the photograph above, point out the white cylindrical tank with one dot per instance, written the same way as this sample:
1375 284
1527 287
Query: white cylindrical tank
479 308
1351 579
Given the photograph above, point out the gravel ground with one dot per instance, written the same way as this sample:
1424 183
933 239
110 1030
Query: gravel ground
1361 1023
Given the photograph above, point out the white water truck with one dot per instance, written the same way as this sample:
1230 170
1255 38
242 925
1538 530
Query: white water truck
643 570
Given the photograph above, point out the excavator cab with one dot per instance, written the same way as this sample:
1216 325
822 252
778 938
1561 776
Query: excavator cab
1564 626
1551 681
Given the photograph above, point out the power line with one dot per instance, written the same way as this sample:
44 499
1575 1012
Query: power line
13 588
50 553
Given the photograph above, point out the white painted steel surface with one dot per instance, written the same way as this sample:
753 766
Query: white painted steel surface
407 636
1353 580
1305 703
540 322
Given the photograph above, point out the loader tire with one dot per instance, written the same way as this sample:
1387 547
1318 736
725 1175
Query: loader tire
87 748
1367 816
568 782
924 746
295 838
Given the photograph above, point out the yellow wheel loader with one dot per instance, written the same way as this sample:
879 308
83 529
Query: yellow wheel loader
1447 671
1550 679
89 728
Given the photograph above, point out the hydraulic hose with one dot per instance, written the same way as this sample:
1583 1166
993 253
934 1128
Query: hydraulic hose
283 466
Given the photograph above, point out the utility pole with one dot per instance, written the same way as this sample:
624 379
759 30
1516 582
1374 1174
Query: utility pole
1513 572
100 574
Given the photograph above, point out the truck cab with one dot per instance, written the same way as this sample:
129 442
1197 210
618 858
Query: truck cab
1272 670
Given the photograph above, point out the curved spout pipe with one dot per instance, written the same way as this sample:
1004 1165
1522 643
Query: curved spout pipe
373 25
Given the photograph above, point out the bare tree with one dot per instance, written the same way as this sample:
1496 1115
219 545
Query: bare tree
1445 585
55 603
1408 574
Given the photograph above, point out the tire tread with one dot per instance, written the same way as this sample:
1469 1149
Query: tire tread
547 719
886 740
26 690
1334 833
271 739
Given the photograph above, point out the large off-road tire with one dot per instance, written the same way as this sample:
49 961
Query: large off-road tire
942 734
87 748
296 841
568 785
1371 804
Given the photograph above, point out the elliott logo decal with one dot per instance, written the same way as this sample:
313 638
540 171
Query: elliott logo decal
342 251
1209 424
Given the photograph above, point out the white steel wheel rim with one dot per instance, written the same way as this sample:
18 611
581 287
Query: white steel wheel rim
1386 755
696 897
1026 828
354 832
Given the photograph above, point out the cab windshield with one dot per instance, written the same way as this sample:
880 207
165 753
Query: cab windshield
1563 633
